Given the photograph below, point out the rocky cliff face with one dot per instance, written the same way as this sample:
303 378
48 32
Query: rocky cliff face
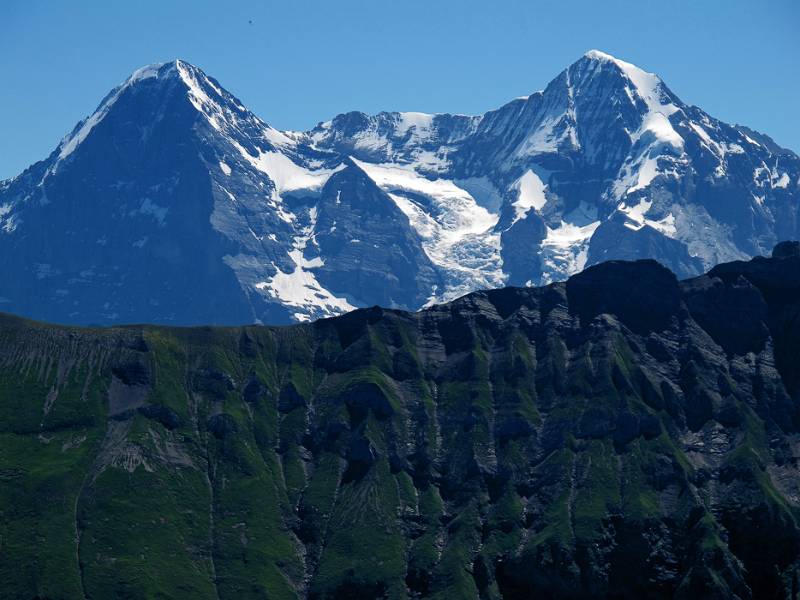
620 435
174 204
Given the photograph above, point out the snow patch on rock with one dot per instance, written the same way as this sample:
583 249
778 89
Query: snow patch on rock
530 194
299 287
637 218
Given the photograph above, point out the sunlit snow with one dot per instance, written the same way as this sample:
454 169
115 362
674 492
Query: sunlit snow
530 194
300 287
637 218
565 250
456 231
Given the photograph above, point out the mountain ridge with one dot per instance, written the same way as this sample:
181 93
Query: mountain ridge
608 436
606 162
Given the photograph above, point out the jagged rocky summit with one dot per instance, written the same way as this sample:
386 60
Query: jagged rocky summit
611 436
172 203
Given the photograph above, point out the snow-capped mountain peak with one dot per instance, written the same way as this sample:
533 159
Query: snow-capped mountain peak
172 179
649 89
218 107
84 128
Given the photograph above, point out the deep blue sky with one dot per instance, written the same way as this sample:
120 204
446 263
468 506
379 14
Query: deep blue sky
304 61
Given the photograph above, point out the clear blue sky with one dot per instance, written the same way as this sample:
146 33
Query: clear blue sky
303 61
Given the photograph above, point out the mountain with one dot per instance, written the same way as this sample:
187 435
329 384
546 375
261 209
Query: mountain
611 436
172 203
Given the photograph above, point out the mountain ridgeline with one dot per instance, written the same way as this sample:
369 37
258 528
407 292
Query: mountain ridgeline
620 435
174 204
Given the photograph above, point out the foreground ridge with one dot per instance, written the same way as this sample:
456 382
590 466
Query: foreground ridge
611 436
